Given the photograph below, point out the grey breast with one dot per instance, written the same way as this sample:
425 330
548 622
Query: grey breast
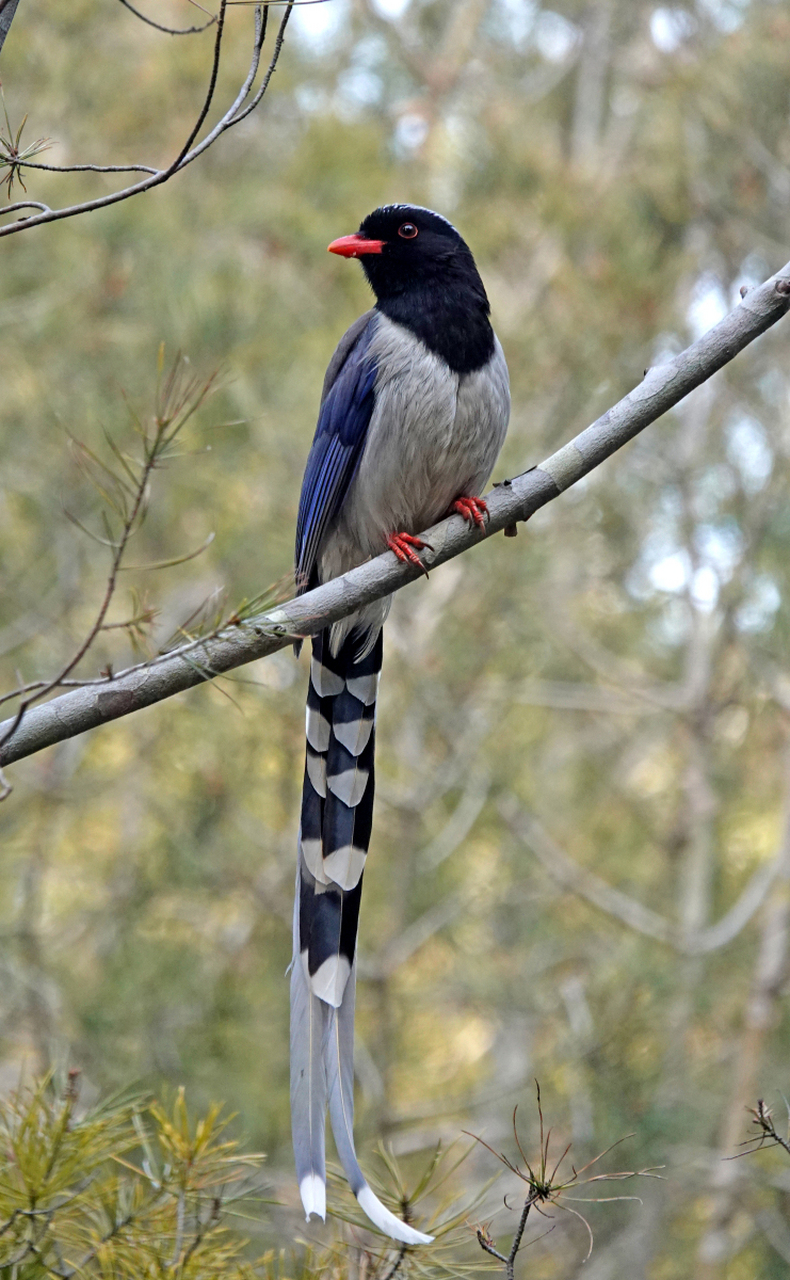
434 434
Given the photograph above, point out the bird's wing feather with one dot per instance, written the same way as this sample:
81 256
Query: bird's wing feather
343 350
339 441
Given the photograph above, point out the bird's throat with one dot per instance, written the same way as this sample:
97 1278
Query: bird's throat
452 322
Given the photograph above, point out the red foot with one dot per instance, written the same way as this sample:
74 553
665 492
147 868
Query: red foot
402 544
471 509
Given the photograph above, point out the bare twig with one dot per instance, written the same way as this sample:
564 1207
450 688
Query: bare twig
767 1133
518 499
547 1187
76 168
189 152
170 31
396 1266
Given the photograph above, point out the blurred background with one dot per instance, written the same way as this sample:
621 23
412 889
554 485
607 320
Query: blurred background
580 865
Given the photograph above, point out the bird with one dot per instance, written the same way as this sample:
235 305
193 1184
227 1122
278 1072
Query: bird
413 414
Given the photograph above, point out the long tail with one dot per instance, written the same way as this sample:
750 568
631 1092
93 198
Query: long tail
337 812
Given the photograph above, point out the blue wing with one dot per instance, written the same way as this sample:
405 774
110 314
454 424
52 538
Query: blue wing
336 451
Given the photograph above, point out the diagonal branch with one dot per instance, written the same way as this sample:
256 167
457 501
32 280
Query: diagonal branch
565 871
662 387
587 884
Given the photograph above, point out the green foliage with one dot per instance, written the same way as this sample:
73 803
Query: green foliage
127 1190
135 1190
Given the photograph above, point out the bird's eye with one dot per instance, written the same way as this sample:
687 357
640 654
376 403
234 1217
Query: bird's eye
408 231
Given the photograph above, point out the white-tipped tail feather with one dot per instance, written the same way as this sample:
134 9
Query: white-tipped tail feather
313 1193
339 1065
381 1217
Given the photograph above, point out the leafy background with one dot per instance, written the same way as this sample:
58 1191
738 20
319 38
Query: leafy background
608 695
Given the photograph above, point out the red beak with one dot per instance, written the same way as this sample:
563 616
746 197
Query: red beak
355 246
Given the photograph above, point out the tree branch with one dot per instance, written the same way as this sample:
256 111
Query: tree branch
586 884
662 387
566 872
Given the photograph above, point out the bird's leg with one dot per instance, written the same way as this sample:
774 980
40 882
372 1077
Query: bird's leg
404 544
471 509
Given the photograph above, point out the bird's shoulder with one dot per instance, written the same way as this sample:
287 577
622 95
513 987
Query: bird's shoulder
343 350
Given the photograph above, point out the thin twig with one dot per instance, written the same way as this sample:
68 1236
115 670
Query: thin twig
202 1230
170 31
487 1244
395 1268
212 84
768 1135
7 10
26 204
516 1245
79 168
188 152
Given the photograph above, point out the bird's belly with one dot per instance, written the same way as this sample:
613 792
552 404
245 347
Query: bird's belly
435 434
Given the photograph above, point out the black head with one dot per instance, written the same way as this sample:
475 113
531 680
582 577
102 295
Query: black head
424 276
402 246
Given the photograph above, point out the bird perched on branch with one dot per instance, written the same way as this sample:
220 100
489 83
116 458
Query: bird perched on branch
413 414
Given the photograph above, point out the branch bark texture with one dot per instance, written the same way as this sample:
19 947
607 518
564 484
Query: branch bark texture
514 500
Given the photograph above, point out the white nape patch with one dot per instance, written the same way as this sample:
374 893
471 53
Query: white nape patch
345 866
329 982
386 1221
312 852
313 1193
349 786
316 772
354 734
316 729
324 681
365 688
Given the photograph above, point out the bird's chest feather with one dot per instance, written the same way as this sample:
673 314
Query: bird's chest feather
434 435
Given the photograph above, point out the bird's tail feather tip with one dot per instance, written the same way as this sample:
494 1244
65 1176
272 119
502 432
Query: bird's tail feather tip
313 1192
381 1217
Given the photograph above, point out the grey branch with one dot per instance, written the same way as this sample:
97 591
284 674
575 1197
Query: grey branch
568 873
514 500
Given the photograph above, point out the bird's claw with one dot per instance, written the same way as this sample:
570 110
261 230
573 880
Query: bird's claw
472 509
405 546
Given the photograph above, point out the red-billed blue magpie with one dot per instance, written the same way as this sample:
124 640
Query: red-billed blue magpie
413 414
